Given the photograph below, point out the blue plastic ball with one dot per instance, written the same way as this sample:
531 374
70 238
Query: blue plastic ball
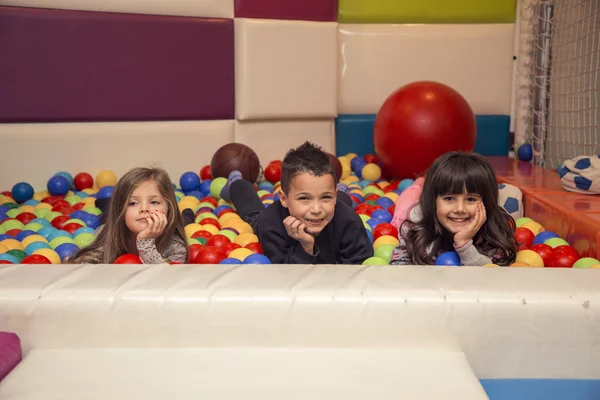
58 185
105 193
23 234
448 258
372 222
91 220
357 161
9 257
46 231
58 233
66 250
543 236
268 186
525 152
257 259
41 221
189 181
230 261
32 202
3 216
83 229
4 236
197 194
384 202
205 186
21 192
32 247
67 176
370 235
405 183
381 216
221 208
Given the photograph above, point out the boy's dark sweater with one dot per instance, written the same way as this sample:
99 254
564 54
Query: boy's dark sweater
343 241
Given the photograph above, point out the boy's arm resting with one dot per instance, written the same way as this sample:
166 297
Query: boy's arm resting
355 246
470 256
278 248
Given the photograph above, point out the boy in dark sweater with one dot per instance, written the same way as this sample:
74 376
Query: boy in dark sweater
312 223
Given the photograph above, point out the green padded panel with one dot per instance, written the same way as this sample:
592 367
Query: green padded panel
427 11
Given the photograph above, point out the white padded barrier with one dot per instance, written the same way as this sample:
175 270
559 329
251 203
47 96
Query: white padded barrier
190 8
509 322
377 59
242 373
271 140
285 69
34 152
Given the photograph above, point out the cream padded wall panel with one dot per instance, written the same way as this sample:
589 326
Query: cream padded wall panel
285 69
375 60
272 139
510 322
240 373
190 8
33 152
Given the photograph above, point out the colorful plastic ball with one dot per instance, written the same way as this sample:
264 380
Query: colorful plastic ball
385 252
32 247
585 262
382 216
189 181
8 257
105 192
210 255
22 192
83 180
555 242
371 172
36 259
448 258
375 261
17 253
84 239
128 259
384 202
205 186
216 186
105 178
91 220
530 257
23 234
533 227
58 185
257 259
524 237
66 250
231 261
563 259
67 176
543 236
356 161
50 254
544 251
522 221
525 152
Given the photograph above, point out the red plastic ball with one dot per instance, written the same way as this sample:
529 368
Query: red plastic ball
26 217
371 158
35 259
194 250
418 123
210 255
218 240
544 251
563 259
202 233
128 259
59 221
83 180
71 227
524 237
205 173
254 247
273 172
229 247
384 229
210 221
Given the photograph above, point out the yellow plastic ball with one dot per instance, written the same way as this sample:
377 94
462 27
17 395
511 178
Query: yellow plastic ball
43 206
3 249
190 229
385 239
392 196
105 178
371 172
27 208
49 254
530 257
33 238
533 227
240 254
12 244
245 238
210 228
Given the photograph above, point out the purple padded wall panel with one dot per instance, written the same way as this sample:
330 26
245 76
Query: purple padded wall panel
310 10
58 65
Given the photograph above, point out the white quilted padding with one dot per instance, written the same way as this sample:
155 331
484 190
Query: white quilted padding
377 59
509 322
34 152
241 373
190 8
271 140
285 69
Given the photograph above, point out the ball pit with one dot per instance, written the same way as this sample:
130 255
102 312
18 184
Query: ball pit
50 225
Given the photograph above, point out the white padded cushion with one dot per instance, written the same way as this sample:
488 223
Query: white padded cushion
474 59
224 374
285 69
35 152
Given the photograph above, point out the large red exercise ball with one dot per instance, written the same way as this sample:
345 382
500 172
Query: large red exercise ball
418 123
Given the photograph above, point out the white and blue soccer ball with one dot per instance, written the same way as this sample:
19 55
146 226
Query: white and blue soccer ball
510 198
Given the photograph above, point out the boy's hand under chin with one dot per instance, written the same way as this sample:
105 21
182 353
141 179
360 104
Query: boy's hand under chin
297 230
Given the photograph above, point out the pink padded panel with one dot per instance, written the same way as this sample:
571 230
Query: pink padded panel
58 65
310 10
10 352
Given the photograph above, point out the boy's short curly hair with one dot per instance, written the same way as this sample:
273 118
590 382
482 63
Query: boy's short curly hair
307 157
